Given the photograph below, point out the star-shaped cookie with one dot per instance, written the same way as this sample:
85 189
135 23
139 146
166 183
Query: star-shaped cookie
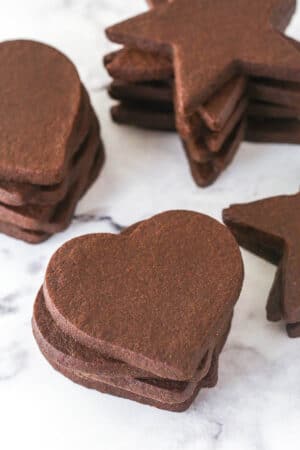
270 228
210 42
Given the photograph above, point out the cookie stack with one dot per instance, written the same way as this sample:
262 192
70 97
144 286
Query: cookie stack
166 82
143 84
156 342
270 228
50 147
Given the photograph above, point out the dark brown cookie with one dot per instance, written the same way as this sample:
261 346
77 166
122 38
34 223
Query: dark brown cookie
270 228
18 194
149 119
270 98
264 110
63 352
150 96
44 218
207 141
159 93
31 237
94 383
283 23
170 321
285 131
133 65
214 113
40 104
171 29
200 149
206 172
66 350
63 212
276 91
88 367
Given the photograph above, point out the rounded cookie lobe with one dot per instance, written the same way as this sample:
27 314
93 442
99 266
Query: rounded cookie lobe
40 103
150 298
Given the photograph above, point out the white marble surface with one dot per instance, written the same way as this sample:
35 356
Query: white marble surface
256 404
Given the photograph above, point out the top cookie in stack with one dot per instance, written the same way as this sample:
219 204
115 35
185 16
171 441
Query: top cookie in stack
50 148
242 75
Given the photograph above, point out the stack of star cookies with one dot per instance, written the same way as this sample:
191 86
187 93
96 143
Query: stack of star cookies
50 147
162 80
154 332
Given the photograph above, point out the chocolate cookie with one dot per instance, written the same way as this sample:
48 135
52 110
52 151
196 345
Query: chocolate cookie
207 171
274 130
40 217
18 194
276 91
159 93
40 103
148 119
197 73
132 65
264 110
208 87
62 214
270 228
50 150
161 354
168 359
70 357
154 83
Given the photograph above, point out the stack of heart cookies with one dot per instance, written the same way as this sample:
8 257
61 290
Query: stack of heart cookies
50 147
145 314
165 77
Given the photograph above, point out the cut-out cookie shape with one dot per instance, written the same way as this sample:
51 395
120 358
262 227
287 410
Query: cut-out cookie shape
165 78
40 102
50 148
260 50
157 299
270 228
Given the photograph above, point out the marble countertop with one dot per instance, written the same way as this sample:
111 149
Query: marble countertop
256 404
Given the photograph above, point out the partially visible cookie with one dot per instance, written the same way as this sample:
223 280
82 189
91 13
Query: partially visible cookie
132 114
270 228
131 65
40 104
18 194
50 145
208 170
149 76
281 131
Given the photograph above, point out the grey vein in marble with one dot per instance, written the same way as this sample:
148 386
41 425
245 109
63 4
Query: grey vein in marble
93 216
35 267
8 303
13 359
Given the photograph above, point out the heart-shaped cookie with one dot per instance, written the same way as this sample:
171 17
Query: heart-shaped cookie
40 103
153 298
